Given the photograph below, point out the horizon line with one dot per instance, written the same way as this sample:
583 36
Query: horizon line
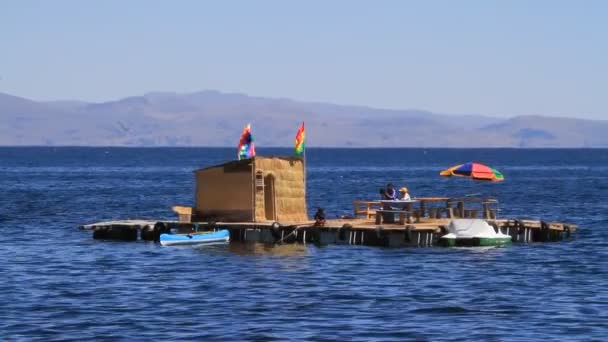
313 147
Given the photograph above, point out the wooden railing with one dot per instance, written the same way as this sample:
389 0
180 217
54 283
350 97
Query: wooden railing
367 209
437 207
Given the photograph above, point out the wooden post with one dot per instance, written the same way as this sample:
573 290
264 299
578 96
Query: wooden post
450 212
402 217
423 208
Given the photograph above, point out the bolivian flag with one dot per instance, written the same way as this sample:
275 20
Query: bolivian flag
246 149
300 137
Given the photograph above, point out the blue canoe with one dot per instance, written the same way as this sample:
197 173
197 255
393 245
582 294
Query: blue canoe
221 236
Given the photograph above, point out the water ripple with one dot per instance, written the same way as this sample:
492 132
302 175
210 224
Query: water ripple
60 284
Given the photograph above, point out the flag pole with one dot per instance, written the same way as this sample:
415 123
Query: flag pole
305 174
300 151
305 178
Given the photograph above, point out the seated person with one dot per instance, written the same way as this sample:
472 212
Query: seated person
319 217
404 194
389 193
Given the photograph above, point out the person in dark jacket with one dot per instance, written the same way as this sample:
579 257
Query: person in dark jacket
320 217
389 193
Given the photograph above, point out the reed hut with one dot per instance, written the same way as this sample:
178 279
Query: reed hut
259 189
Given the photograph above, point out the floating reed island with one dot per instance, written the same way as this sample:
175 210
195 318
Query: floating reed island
263 199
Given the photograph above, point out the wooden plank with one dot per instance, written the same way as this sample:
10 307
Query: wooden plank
132 223
181 210
431 199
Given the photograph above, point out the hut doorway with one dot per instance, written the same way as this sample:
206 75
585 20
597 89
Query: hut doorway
269 198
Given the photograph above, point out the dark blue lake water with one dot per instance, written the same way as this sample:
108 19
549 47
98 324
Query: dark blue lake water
57 283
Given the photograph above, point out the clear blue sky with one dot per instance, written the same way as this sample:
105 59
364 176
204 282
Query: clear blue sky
497 58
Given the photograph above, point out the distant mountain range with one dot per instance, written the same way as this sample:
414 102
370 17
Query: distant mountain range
211 118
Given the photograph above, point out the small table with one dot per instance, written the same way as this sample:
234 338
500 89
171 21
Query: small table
399 202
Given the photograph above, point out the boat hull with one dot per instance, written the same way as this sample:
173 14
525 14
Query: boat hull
221 236
476 242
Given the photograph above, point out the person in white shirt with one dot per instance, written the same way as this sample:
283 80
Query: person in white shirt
405 195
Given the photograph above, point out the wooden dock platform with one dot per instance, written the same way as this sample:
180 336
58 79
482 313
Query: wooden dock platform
270 188
364 231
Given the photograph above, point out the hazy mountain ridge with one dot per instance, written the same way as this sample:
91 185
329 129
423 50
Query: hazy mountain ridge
212 118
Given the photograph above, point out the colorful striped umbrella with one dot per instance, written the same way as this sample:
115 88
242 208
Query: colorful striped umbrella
475 171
